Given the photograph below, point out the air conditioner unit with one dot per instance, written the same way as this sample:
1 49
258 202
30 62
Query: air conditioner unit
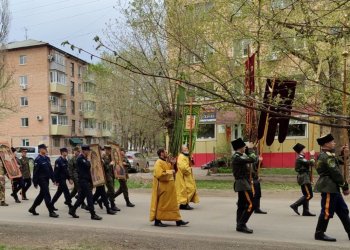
50 58
51 98
39 117
24 87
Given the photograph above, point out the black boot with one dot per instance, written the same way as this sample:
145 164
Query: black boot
241 225
84 206
239 215
94 216
3 204
128 203
257 208
244 229
181 223
110 211
296 204
32 211
158 223
72 212
53 214
113 206
306 211
14 195
321 228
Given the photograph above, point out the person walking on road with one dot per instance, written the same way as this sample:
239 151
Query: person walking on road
25 170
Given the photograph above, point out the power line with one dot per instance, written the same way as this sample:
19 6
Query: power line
40 6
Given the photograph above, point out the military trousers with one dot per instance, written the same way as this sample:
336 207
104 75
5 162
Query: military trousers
85 191
123 189
2 188
27 182
306 189
101 192
62 188
245 206
44 194
75 189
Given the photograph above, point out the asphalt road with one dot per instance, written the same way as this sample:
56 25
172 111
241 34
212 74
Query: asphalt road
211 226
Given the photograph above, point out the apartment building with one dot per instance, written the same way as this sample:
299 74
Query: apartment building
55 99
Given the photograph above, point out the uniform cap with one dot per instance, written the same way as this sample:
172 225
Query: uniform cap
63 150
13 149
24 149
42 146
238 143
85 147
298 147
107 146
325 139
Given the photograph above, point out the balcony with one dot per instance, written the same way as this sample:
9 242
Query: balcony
58 109
106 133
90 132
58 88
89 114
88 96
60 130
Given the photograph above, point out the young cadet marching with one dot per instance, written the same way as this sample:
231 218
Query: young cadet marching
85 184
164 201
302 166
329 184
62 176
2 184
242 185
41 176
25 170
17 183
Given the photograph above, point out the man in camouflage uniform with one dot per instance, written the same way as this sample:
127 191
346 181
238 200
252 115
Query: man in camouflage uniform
242 184
2 184
302 166
25 170
109 174
329 184
17 183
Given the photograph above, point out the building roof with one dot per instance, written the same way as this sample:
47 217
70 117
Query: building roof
35 43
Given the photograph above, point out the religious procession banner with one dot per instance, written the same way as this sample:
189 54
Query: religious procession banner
119 171
9 161
97 172
191 114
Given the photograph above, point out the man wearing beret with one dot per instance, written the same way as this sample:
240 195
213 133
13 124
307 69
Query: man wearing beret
302 166
61 176
329 184
41 176
242 185
85 184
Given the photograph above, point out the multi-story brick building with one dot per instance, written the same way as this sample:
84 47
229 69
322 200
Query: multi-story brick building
56 102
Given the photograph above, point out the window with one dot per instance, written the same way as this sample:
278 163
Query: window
79 88
54 100
59 59
88 140
72 69
89 87
25 142
89 123
56 142
296 129
80 106
72 89
23 80
73 126
240 48
80 71
89 106
57 77
72 106
22 60
25 122
59 120
24 101
64 103
206 131
106 125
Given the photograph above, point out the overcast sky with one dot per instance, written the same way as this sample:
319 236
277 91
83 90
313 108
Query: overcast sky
55 21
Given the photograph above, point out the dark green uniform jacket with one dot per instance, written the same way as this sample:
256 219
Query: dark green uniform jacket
331 178
107 167
241 170
72 168
302 166
24 167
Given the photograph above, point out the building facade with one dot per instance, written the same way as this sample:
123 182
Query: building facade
55 99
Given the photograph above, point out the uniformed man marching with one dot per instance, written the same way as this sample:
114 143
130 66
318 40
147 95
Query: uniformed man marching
17 183
302 166
242 185
2 184
41 176
61 176
329 184
85 184
25 170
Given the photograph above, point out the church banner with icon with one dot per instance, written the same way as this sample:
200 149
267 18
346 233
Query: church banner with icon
9 160
97 172
119 171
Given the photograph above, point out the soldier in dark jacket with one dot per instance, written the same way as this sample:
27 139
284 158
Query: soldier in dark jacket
41 176
303 167
25 170
85 184
62 176
73 172
329 184
243 184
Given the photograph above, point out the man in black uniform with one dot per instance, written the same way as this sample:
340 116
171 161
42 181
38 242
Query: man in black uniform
329 184
25 170
41 176
242 185
17 183
61 176
302 166
85 184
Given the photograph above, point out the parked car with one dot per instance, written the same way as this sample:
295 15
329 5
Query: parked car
218 163
32 153
138 162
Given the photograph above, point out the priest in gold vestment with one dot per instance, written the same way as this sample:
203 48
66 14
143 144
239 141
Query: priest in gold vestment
164 202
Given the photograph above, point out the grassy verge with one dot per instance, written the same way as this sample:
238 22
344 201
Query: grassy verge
264 171
218 185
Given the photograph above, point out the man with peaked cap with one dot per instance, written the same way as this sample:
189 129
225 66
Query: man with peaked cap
62 176
329 184
17 183
41 176
242 185
85 184
25 170
302 166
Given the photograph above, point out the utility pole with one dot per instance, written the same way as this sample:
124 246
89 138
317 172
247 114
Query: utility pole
26 32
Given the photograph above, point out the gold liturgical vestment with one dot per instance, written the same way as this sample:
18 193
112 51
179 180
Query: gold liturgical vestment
185 184
164 204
